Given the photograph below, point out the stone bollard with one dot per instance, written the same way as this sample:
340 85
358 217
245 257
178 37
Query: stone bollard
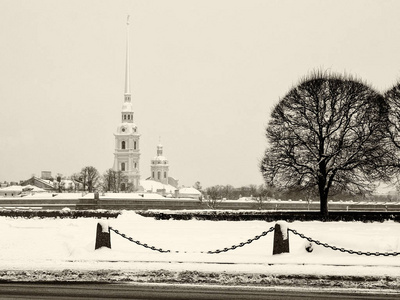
103 238
281 238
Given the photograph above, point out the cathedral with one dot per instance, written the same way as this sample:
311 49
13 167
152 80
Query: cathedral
127 147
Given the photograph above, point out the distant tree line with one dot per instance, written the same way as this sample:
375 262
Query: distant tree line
265 192
88 179
219 192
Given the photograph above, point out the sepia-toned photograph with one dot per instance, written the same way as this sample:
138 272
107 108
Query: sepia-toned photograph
199 149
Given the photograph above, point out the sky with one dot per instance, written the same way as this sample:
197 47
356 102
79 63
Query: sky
205 75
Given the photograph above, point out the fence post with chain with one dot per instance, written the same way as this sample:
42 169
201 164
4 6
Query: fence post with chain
103 238
281 238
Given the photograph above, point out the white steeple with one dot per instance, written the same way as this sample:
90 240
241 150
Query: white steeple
127 79
127 107
127 153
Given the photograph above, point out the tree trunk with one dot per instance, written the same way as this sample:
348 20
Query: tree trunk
323 198
322 184
324 208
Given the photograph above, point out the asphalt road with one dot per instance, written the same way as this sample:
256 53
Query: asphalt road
90 291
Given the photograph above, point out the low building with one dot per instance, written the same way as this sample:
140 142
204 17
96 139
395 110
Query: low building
40 183
152 186
189 192
3 184
20 191
11 191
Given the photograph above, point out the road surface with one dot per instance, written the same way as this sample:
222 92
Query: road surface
89 291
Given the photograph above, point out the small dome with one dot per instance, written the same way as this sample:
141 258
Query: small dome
160 158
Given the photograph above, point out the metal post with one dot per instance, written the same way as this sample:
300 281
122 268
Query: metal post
103 238
281 238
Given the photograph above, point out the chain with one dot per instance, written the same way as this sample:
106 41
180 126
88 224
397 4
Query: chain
243 243
257 237
138 242
208 252
342 249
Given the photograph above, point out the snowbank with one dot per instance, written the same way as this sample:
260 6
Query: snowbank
57 244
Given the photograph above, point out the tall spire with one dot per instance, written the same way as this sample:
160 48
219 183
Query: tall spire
127 84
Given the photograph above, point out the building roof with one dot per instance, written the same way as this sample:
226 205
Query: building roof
189 190
47 183
12 188
32 188
153 186
22 188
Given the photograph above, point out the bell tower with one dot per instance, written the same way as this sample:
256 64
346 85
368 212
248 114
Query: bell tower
127 154
159 166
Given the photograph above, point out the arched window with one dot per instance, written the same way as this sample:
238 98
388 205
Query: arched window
122 187
129 117
165 175
123 145
134 145
135 165
159 175
151 176
124 117
122 166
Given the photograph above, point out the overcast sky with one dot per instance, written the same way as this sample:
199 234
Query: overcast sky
204 77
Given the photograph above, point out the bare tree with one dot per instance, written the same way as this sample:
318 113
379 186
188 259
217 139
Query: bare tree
228 192
328 133
213 196
108 180
393 99
76 178
253 189
90 177
112 180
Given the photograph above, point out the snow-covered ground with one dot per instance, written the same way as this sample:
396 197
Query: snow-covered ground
57 244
